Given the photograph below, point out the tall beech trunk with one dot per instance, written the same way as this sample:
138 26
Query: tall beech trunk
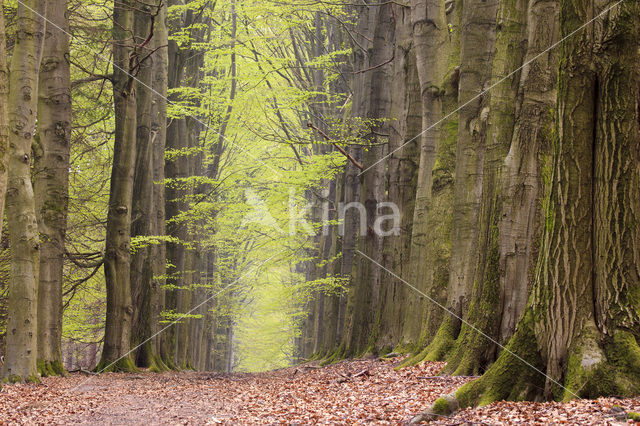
477 45
115 354
352 220
431 44
51 183
364 323
182 133
404 125
523 183
141 274
472 351
21 344
174 168
4 117
589 254
159 130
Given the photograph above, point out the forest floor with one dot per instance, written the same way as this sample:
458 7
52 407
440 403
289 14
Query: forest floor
349 392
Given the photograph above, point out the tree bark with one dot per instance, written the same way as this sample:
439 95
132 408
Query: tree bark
523 185
564 332
51 187
21 344
404 125
4 117
472 351
115 354
159 130
141 275
376 104
477 44
431 46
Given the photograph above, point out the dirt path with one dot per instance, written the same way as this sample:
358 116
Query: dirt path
352 392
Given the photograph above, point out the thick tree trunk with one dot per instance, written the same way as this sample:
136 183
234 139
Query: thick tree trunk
477 44
472 351
590 247
141 275
431 46
404 125
523 183
51 186
363 332
115 354
21 345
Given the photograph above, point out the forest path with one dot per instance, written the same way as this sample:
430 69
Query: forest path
349 392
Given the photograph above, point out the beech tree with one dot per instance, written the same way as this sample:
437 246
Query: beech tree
4 116
127 55
51 170
235 180
22 332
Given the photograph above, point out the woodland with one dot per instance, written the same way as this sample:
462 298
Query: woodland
241 186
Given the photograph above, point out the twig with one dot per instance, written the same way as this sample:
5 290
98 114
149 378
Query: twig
393 54
338 147
83 371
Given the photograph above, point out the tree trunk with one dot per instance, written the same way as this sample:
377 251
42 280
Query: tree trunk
4 117
523 184
21 344
141 274
115 355
51 186
590 247
159 130
376 104
477 44
472 351
404 125
431 44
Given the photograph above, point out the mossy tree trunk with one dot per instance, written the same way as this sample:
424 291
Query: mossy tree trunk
21 341
477 48
4 117
589 254
472 351
432 46
424 317
527 167
51 183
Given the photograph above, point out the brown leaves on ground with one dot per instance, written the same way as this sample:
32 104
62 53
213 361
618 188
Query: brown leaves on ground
349 392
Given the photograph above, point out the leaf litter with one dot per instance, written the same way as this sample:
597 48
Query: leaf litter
365 391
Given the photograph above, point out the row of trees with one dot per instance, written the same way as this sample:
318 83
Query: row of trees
507 133
161 181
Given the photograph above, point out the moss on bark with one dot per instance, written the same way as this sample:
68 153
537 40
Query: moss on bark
614 373
124 364
51 368
442 342
14 378
509 377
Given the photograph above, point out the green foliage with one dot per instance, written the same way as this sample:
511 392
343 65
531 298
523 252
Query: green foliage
271 160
